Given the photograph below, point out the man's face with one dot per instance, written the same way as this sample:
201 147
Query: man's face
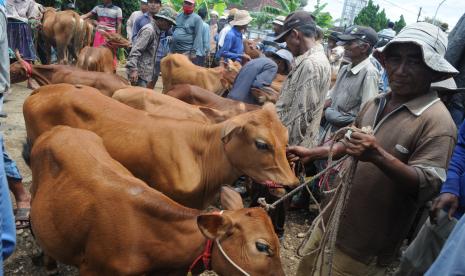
144 7
164 25
154 7
293 42
407 72
355 49
106 2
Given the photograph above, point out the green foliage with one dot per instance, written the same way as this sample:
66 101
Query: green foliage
399 25
443 25
323 19
372 17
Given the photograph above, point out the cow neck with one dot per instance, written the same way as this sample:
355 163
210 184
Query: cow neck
216 167
43 74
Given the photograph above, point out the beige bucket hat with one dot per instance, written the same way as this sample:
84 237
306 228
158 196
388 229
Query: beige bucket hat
433 43
241 18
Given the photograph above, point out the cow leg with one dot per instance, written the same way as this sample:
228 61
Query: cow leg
61 54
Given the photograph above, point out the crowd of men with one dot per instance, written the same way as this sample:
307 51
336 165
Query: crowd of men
389 82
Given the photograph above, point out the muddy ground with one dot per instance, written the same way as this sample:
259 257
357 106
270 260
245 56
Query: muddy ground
22 262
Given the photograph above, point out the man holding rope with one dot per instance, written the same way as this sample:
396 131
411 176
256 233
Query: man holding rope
399 166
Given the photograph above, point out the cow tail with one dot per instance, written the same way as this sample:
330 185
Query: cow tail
26 153
78 36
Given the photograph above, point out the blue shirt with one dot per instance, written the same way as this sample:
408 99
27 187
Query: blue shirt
187 35
256 73
2 3
450 260
206 37
141 21
455 182
232 48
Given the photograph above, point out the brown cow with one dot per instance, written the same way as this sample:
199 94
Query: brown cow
165 106
265 94
198 96
100 59
91 212
66 31
178 69
251 49
51 74
186 160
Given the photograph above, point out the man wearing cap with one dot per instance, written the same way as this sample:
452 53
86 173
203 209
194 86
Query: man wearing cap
447 208
144 7
356 82
300 104
259 73
187 35
233 47
401 165
268 43
141 60
335 53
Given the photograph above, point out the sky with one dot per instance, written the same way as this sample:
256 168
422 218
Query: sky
449 12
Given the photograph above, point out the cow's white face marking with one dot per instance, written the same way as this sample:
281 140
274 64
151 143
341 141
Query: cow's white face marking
135 190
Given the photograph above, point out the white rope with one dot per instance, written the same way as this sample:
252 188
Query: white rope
229 259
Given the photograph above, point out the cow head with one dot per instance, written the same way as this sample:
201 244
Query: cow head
17 72
115 40
230 71
251 49
247 237
255 144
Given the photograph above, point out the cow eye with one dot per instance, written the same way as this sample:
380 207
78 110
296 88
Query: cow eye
263 247
261 145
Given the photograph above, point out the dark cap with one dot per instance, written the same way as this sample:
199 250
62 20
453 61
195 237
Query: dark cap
298 19
366 34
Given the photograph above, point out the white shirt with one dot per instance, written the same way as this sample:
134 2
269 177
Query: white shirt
131 21
223 34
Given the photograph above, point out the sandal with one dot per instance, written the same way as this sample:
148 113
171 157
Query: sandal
22 217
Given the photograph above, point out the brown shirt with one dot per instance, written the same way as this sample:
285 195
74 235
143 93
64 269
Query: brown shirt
378 214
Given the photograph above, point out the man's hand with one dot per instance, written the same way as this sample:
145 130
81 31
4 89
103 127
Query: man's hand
295 153
133 77
443 200
362 146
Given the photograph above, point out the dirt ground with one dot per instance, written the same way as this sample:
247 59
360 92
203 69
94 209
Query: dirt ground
24 261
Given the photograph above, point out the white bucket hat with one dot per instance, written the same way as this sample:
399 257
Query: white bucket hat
433 43
241 18
279 20
445 86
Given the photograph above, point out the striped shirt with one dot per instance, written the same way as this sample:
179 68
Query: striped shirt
108 16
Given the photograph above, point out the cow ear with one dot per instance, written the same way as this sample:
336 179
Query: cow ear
230 199
214 226
214 115
228 130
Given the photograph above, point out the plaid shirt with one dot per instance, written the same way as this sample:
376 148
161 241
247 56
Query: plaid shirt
142 56
300 105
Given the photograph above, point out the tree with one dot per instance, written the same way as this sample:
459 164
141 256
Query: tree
399 25
323 19
370 16
443 25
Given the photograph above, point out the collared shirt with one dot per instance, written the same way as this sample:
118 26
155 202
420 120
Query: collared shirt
206 37
187 36
108 16
130 23
388 33
256 73
142 56
455 183
233 48
140 22
300 104
354 86
379 214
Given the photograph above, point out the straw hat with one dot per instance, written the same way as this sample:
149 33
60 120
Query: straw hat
241 18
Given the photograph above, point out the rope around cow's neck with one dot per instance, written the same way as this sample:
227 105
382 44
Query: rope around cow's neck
229 259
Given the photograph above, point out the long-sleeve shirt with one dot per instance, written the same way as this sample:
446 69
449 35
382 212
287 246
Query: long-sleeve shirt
256 73
233 48
206 37
130 23
140 22
455 182
20 9
142 55
222 35
300 104
187 36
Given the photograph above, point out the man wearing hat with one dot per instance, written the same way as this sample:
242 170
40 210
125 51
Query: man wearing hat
226 28
259 73
188 33
401 164
268 43
447 208
144 7
233 47
141 60
356 82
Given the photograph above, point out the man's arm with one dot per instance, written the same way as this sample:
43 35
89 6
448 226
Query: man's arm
226 49
87 15
119 21
141 43
198 39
